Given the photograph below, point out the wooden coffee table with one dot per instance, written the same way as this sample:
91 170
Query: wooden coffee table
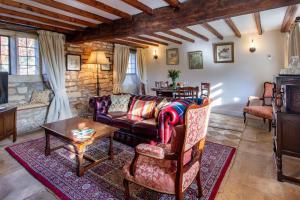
63 131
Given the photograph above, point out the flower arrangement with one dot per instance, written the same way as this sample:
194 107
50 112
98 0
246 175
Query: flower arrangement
174 75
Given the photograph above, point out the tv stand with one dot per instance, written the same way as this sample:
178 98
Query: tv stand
8 123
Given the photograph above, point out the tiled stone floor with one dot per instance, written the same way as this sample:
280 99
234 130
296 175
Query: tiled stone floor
252 175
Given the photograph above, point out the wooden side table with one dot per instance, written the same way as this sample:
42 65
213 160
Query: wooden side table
8 123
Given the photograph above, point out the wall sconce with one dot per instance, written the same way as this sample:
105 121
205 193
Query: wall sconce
252 47
155 56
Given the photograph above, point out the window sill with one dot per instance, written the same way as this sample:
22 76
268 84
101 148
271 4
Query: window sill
25 78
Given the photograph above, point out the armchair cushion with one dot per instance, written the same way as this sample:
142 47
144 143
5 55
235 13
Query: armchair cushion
150 151
259 111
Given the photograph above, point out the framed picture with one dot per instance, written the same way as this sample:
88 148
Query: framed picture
223 52
172 56
108 66
73 62
195 60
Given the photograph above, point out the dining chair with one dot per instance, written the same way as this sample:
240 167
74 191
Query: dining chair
187 92
205 89
172 168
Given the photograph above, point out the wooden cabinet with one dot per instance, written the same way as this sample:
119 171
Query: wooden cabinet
8 123
286 120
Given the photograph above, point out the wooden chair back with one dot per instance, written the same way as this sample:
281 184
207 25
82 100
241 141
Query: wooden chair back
161 84
187 92
205 89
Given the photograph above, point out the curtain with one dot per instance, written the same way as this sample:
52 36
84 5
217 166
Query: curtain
121 59
141 67
294 41
53 60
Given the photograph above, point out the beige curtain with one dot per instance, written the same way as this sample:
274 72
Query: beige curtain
141 67
294 41
52 47
121 59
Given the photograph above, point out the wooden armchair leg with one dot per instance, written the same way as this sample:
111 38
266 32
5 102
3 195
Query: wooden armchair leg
126 186
244 117
198 179
264 119
270 125
178 195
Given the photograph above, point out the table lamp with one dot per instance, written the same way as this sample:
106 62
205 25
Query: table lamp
98 58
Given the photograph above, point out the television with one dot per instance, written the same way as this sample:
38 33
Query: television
3 87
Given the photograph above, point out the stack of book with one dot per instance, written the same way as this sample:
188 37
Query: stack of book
85 133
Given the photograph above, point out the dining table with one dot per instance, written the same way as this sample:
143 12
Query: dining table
165 91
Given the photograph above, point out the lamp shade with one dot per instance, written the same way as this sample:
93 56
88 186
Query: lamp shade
98 57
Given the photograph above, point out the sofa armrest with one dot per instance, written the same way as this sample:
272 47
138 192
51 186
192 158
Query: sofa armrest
100 105
150 151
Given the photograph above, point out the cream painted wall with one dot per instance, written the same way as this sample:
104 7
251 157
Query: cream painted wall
231 83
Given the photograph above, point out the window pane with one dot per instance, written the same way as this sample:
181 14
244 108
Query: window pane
31 51
31 70
30 42
22 61
4 59
22 42
4 40
31 60
22 51
4 50
23 71
4 68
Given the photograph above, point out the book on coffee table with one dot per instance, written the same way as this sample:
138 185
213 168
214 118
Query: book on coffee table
84 133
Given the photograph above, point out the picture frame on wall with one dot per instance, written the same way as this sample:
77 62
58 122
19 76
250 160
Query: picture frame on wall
195 59
172 56
223 52
73 62
107 67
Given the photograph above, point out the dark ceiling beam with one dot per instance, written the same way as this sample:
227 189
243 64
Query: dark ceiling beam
289 18
140 6
151 40
179 36
233 27
140 41
16 27
33 24
46 12
258 23
191 12
40 19
173 3
73 10
164 38
194 33
132 44
212 30
106 8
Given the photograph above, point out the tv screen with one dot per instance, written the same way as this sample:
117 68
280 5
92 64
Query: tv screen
3 87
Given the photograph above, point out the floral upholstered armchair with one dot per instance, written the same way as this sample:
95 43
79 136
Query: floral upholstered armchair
265 109
171 168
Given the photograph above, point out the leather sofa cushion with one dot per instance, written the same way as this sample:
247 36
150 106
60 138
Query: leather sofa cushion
114 115
146 128
125 122
107 119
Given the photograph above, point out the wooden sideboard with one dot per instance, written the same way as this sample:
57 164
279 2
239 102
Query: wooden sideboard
8 123
286 121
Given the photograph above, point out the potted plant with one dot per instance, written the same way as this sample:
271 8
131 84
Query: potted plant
174 75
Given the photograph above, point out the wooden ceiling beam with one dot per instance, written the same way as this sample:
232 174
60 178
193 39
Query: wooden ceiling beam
40 19
140 6
233 27
33 24
258 23
140 41
192 12
289 18
106 8
194 33
151 40
164 38
173 3
212 30
132 44
179 36
73 10
46 12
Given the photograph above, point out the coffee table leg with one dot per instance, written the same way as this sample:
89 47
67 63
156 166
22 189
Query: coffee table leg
79 158
111 147
47 148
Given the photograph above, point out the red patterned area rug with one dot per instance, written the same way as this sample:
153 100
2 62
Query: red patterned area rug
104 181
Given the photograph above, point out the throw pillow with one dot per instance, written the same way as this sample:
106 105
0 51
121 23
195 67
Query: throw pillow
40 97
158 108
119 103
142 108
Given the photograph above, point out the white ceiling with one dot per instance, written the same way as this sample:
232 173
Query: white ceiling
271 19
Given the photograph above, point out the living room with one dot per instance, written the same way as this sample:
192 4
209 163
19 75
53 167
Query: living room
161 99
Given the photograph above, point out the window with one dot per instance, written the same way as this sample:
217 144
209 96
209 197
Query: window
27 56
4 54
131 69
